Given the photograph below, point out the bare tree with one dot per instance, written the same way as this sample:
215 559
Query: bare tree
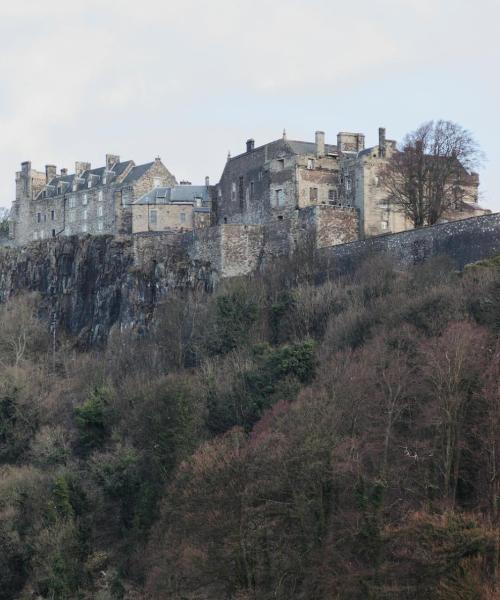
431 172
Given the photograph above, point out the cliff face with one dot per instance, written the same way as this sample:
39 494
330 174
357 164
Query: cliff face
90 284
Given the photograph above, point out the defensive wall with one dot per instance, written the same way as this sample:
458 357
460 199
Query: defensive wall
90 284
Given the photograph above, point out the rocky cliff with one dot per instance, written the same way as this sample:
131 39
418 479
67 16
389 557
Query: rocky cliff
90 284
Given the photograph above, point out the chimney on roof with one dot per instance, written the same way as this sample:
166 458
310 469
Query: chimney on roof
381 142
284 134
207 181
64 172
50 172
320 144
81 167
111 160
250 145
184 182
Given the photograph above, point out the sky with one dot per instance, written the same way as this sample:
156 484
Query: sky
189 81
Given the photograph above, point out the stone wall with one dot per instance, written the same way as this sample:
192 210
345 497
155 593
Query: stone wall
94 283
464 242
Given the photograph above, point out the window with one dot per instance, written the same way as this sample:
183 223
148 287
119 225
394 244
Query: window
260 175
279 198
347 184
313 194
281 164
53 233
85 214
384 225
183 217
233 191
38 217
310 163
71 217
251 189
35 235
153 216
156 182
72 201
85 199
45 218
332 196
84 228
100 226
41 234
100 196
89 184
52 215
99 211
241 193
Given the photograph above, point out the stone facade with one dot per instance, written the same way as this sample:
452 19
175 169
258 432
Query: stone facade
278 180
95 201
180 208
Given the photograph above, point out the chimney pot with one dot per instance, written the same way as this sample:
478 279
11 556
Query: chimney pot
250 145
64 172
207 181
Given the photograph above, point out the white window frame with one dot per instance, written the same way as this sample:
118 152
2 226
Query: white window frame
85 199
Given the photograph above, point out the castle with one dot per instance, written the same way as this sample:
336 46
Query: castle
333 189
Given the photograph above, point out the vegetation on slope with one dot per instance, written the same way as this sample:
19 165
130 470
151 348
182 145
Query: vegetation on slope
277 440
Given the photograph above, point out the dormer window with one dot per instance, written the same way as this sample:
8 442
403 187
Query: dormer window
89 184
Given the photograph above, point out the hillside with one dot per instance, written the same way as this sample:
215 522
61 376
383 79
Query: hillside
278 439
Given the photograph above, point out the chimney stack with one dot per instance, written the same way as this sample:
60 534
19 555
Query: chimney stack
320 144
381 142
250 145
111 159
50 172
81 167
207 181
64 172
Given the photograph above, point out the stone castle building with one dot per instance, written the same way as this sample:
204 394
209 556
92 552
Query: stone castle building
95 201
280 178
331 189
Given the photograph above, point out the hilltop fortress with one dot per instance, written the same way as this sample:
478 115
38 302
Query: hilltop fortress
104 246
330 190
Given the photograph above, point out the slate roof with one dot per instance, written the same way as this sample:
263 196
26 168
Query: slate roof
118 169
137 172
309 147
294 147
178 193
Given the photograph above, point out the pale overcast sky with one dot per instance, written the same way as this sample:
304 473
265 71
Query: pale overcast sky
191 80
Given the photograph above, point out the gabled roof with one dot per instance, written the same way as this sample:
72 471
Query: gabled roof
136 173
175 194
291 148
118 169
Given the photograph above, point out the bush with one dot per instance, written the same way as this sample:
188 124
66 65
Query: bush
93 420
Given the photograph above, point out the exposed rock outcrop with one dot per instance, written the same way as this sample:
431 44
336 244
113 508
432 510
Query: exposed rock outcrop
90 284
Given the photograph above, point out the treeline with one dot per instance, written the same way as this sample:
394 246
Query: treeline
279 439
